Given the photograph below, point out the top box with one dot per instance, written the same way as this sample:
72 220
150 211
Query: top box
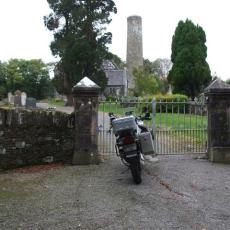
124 123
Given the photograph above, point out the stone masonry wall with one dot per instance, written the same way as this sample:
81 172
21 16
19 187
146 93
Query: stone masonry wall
29 137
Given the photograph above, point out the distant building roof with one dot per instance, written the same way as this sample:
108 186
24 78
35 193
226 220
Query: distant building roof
115 77
109 65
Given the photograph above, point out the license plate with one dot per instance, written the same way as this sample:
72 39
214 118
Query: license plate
131 155
129 148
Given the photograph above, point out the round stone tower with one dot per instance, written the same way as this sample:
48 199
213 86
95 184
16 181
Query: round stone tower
134 57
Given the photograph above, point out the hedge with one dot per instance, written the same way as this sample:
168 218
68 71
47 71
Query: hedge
168 103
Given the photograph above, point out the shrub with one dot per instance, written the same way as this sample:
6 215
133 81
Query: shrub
166 103
171 98
57 99
111 98
172 103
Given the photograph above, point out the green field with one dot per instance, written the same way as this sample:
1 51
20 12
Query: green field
54 101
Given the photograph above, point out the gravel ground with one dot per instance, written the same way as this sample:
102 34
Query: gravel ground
178 192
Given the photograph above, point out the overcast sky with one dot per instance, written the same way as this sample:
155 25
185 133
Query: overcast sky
23 34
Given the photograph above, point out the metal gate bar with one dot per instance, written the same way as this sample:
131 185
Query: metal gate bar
180 127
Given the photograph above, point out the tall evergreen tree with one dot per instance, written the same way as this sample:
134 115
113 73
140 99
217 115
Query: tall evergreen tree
80 38
190 72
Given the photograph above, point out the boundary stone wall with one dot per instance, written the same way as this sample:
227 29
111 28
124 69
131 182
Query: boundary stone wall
29 137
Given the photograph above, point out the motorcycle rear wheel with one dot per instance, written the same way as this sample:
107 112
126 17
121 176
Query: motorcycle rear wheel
135 168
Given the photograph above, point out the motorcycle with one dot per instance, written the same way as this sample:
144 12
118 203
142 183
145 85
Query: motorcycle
133 141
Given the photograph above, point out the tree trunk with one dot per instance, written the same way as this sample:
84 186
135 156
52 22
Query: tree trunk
69 101
68 90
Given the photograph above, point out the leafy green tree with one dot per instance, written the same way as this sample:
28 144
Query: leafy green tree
145 83
228 81
159 70
160 67
80 39
14 78
190 72
3 89
30 76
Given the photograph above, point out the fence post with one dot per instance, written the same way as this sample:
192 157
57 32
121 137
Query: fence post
218 102
86 103
154 121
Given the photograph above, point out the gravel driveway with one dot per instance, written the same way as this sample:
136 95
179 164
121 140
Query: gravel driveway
178 192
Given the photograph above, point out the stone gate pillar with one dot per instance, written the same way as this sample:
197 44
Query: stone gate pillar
218 101
86 94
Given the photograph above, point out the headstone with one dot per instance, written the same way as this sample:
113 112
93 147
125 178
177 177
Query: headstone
23 98
30 102
17 100
12 100
10 97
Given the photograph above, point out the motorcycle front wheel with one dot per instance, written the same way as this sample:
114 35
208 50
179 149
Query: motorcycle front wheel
135 168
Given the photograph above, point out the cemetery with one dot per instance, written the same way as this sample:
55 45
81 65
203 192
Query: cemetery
20 99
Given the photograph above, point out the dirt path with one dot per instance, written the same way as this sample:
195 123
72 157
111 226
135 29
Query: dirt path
176 193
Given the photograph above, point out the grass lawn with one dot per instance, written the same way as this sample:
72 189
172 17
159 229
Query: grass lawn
54 101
